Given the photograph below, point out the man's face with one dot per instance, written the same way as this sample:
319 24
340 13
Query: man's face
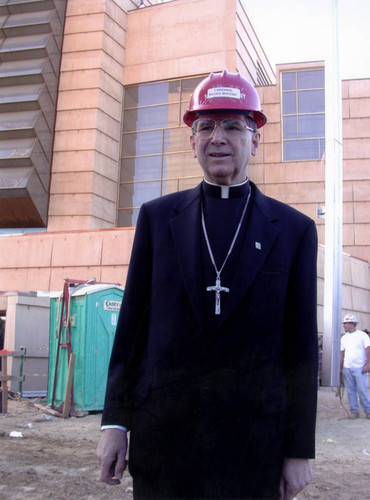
349 327
224 156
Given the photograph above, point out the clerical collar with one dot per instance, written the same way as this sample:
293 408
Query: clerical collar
233 191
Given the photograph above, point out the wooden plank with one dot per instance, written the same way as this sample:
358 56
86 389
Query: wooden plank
68 391
47 409
14 378
4 386
7 354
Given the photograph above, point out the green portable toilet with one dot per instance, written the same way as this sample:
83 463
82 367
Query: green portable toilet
94 311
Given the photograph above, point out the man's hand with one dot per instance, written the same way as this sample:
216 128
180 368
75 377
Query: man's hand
111 452
295 476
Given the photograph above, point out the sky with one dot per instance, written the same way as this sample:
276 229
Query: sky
300 31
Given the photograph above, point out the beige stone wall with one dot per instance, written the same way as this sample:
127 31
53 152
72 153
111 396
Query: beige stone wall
356 167
302 184
50 258
88 125
158 48
42 261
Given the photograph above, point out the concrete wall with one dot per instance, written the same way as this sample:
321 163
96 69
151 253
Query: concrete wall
355 289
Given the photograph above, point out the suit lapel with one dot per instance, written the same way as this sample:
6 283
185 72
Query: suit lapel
258 240
186 231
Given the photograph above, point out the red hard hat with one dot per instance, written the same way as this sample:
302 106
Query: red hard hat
225 91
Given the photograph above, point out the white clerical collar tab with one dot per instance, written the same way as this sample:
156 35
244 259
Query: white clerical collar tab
225 190
223 92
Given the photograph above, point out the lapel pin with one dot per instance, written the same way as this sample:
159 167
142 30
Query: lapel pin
258 245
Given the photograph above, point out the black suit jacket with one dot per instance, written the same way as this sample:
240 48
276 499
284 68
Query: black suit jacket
257 371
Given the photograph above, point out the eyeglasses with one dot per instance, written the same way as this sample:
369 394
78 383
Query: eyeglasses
231 127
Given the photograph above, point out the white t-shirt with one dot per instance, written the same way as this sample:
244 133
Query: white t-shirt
354 345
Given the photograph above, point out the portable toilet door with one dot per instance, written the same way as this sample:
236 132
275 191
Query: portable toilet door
101 322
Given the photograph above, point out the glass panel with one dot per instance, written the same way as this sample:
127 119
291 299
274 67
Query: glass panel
290 127
313 79
126 195
176 139
134 194
311 101
174 91
311 126
180 165
156 153
288 81
187 87
141 168
151 93
130 119
289 103
142 143
150 118
189 183
128 217
131 97
170 186
322 147
301 150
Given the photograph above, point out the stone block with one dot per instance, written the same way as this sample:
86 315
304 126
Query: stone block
348 234
360 299
85 23
361 190
346 269
117 246
356 169
82 42
359 88
347 297
362 234
73 61
78 99
72 182
360 273
113 274
79 249
362 212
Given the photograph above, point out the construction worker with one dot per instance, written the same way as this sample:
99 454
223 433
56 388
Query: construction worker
355 363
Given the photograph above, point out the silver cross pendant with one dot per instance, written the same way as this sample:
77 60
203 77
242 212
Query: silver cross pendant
218 289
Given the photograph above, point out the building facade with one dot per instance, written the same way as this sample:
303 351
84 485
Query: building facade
92 98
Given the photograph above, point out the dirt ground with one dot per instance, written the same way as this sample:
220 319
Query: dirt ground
55 458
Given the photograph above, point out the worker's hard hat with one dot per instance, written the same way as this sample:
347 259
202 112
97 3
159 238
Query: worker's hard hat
225 91
350 318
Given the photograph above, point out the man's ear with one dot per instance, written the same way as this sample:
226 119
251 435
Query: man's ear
255 143
192 142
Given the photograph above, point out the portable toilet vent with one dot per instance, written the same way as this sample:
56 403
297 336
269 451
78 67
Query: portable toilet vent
93 315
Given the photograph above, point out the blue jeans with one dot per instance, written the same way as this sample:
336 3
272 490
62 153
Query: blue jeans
355 383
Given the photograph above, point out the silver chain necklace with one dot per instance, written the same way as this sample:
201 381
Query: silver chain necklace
217 288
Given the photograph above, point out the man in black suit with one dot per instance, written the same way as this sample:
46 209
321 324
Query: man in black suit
214 365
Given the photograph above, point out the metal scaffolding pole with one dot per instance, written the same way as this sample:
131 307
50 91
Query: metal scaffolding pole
333 211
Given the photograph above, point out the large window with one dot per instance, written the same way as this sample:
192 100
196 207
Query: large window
303 114
156 155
